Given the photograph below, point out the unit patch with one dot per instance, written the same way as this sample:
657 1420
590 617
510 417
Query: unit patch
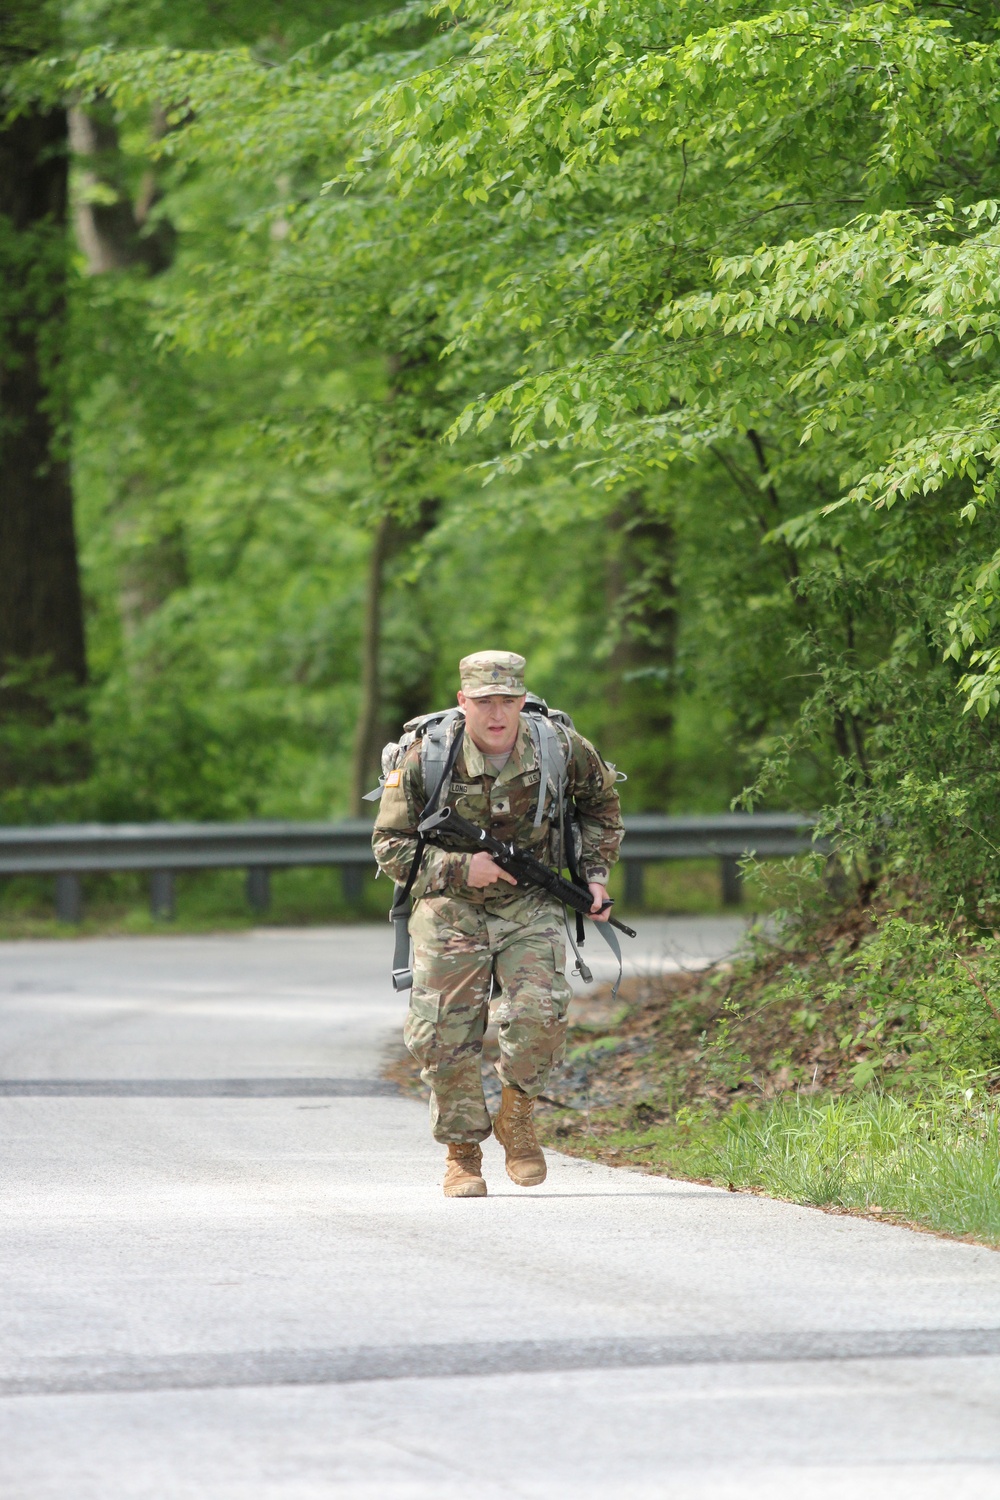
394 777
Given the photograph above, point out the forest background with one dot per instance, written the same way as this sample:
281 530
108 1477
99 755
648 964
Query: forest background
706 293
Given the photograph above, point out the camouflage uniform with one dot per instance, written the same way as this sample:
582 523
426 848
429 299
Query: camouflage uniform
503 939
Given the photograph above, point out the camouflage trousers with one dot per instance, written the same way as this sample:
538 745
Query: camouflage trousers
506 956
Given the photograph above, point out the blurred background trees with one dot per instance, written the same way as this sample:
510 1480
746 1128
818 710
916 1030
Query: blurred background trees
282 559
707 297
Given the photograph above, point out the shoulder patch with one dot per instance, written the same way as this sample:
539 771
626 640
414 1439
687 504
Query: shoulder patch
393 778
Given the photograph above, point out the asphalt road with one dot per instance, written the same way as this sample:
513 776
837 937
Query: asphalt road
228 1273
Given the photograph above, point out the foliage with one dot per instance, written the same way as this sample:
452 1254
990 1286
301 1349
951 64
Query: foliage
240 433
714 285
916 1001
850 356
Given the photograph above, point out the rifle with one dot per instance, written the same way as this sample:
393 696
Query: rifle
526 869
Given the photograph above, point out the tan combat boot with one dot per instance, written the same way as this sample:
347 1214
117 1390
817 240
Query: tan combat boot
515 1131
463 1176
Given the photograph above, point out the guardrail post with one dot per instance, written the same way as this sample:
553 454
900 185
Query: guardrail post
161 894
353 882
732 880
259 888
634 883
69 897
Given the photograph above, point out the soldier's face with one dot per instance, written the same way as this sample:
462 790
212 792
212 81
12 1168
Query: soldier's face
492 722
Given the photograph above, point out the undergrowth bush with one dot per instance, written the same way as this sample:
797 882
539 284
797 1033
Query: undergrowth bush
917 1001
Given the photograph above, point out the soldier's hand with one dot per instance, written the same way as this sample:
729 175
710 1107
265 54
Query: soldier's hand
600 895
484 870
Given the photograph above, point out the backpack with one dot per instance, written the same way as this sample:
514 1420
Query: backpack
439 744
436 733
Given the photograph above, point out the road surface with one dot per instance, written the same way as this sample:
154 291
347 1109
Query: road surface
228 1273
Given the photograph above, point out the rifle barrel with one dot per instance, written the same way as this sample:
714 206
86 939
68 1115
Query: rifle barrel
629 931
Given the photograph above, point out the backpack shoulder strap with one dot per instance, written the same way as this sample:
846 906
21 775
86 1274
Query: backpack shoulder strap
436 757
552 761
399 916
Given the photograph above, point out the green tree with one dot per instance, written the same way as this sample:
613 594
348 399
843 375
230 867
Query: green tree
697 290
755 249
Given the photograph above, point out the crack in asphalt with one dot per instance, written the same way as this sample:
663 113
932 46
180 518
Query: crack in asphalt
196 1088
89 1375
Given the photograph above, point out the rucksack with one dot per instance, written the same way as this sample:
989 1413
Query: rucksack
436 735
439 745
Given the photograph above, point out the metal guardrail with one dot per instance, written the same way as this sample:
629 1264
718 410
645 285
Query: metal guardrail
69 851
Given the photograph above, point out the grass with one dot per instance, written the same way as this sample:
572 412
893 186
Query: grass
933 1162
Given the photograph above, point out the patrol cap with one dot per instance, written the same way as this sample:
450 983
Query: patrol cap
488 674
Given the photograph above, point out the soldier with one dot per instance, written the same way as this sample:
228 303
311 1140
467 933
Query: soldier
475 932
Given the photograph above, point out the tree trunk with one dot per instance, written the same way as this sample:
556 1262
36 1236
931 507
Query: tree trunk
41 610
642 604
388 699
152 562
392 457
108 223
370 711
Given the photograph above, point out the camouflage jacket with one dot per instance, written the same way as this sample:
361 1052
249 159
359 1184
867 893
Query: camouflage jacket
504 804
